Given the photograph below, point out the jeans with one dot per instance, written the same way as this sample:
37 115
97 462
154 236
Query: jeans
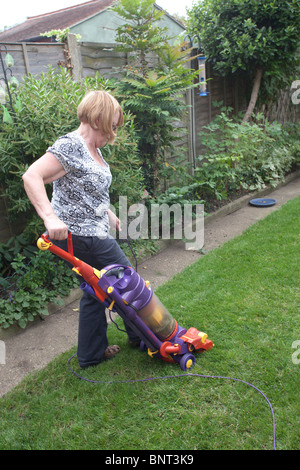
92 330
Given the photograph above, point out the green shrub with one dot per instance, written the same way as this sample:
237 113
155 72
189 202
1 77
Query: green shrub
20 244
293 130
246 156
125 164
25 295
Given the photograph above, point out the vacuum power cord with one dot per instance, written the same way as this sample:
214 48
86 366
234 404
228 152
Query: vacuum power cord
179 376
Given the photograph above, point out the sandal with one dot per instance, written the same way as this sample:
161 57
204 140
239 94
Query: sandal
111 351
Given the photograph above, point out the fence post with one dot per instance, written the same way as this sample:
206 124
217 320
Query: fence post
25 55
75 54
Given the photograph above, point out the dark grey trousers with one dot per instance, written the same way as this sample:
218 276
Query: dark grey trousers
92 330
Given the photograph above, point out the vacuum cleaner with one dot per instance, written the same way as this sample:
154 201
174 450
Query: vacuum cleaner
122 290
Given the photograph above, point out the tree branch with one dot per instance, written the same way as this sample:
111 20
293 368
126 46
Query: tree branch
254 94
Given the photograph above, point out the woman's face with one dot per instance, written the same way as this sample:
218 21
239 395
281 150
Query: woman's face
102 139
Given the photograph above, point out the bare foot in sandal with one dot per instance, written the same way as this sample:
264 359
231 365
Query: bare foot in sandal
111 351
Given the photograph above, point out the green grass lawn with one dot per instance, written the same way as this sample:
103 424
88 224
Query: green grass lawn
245 295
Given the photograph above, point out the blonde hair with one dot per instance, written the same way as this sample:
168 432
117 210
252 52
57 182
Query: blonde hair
98 109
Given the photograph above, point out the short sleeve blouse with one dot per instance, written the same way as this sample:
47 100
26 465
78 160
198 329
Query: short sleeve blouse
81 197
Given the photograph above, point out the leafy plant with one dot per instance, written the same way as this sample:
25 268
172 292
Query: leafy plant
125 164
242 155
19 245
152 100
259 37
34 285
142 33
60 34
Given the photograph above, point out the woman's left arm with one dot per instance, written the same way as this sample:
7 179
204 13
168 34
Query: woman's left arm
114 222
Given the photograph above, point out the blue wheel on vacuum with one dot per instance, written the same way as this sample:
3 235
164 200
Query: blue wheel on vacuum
143 347
187 361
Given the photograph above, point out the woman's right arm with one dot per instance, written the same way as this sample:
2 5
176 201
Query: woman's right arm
45 170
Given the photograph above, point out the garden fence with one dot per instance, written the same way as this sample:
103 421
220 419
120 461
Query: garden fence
85 59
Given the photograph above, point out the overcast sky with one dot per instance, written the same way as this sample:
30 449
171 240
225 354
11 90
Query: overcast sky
16 11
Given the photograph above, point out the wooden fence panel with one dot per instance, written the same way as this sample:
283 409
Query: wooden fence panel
40 56
19 68
101 58
219 90
34 58
284 110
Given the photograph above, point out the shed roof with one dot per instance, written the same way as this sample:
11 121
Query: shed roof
31 29
59 19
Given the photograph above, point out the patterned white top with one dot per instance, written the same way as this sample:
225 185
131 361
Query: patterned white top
81 197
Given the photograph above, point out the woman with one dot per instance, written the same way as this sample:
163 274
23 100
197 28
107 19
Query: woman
80 204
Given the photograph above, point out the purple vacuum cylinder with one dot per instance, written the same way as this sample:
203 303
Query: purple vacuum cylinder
137 293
